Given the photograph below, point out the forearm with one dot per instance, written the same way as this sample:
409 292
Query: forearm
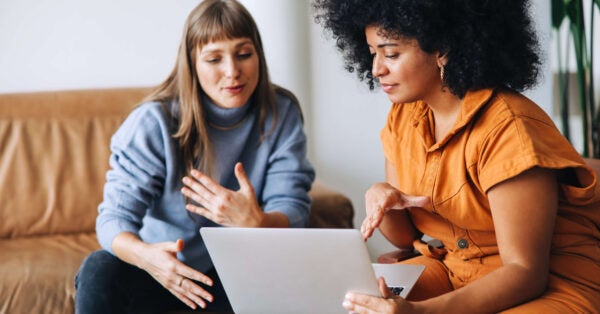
503 288
397 228
129 247
274 220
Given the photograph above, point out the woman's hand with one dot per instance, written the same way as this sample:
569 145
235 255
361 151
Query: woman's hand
389 303
223 206
382 197
160 261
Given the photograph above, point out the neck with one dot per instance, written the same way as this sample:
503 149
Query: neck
444 104
445 107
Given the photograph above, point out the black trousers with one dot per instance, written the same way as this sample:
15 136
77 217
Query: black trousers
105 284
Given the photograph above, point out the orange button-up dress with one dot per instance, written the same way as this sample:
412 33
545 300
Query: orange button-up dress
498 135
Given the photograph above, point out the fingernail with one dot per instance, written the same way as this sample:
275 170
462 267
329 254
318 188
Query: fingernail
186 180
195 172
346 304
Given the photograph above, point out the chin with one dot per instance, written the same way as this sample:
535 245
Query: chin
400 99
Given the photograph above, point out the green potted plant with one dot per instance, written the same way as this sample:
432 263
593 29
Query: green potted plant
573 13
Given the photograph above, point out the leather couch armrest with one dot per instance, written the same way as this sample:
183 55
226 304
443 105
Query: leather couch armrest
330 208
396 256
434 245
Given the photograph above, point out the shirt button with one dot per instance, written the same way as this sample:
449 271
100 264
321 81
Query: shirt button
462 243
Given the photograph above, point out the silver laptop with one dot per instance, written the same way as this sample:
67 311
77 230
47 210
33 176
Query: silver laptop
266 270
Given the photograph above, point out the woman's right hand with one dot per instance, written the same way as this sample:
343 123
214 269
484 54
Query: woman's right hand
382 197
160 261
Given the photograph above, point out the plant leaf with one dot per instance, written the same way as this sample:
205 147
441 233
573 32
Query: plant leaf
559 11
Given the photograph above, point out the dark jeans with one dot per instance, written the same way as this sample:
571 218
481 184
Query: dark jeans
105 284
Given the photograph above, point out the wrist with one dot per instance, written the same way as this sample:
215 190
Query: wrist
261 221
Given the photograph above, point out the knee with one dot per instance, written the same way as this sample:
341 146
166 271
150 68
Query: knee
434 280
97 268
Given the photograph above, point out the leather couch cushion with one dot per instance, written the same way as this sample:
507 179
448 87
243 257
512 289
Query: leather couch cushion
37 273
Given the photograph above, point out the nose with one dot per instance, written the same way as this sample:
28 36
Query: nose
231 68
378 68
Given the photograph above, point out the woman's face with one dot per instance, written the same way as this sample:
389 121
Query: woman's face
228 71
406 73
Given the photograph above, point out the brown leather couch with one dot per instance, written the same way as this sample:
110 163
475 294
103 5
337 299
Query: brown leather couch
54 149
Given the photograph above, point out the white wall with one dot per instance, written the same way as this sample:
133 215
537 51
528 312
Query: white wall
69 44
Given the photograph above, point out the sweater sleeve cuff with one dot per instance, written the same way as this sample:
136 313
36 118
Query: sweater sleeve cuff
109 230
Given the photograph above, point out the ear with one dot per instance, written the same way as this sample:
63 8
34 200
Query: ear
441 58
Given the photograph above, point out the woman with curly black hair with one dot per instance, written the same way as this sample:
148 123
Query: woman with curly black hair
470 161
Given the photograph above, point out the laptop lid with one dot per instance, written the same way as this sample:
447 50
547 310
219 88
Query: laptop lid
268 270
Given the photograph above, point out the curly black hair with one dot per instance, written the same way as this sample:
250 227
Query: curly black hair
489 43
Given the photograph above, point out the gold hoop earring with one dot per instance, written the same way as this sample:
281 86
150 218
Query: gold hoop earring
442 73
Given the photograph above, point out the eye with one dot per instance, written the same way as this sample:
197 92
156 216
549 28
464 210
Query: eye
212 60
392 55
244 55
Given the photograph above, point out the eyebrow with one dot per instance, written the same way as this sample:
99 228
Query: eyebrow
240 44
387 45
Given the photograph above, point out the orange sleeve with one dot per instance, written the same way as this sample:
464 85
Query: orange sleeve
520 143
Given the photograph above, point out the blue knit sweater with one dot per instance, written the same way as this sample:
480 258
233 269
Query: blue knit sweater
142 194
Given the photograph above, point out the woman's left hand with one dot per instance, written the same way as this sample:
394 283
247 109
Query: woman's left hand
223 206
366 304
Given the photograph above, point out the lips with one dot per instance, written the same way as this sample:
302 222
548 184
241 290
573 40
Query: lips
235 89
387 87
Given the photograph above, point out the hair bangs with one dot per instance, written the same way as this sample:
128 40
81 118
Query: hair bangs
220 23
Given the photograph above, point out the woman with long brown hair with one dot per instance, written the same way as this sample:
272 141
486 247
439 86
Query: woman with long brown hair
216 144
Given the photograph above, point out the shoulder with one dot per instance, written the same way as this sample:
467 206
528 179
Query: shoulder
509 113
513 134
521 106
287 105
151 110
286 98
515 106
148 120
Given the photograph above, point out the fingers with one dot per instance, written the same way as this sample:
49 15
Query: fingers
199 197
190 293
181 280
203 211
383 288
190 273
242 178
183 298
179 244
171 247
372 222
367 228
183 286
201 183
364 304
